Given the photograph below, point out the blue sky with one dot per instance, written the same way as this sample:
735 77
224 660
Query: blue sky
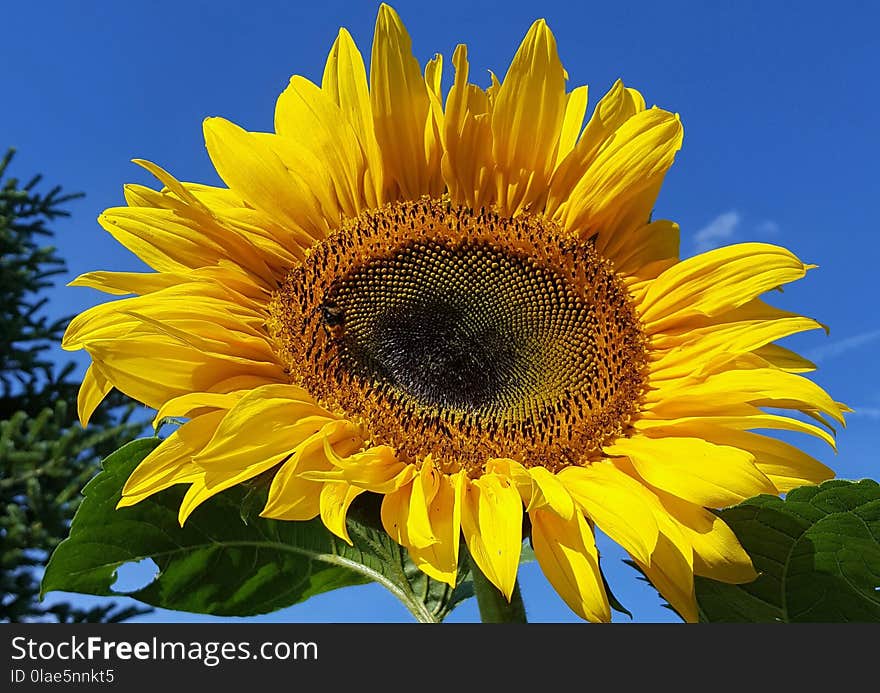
778 101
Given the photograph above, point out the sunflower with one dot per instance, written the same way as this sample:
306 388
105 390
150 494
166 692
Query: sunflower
461 305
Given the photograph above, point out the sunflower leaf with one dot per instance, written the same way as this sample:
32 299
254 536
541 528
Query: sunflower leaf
817 553
221 563
613 601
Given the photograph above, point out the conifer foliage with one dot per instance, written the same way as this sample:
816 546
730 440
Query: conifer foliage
46 457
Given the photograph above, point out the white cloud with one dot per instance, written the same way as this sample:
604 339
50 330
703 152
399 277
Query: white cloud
834 349
726 227
866 412
768 227
717 232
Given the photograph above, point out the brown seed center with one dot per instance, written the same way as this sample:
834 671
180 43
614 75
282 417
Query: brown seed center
464 335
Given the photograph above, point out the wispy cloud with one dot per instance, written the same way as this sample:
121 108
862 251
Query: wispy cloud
866 412
768 227
842 346
727 227
717 232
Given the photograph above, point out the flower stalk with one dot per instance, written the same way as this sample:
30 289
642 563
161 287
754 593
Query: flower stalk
494 607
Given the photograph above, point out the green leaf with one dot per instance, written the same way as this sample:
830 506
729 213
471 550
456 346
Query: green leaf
817 553
613 601
226 560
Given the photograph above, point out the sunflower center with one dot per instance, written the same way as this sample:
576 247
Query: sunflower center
464 335
465 327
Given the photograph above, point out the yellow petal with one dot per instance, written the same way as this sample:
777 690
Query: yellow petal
331 143
172 461
186 405
175 218
400 105
566 552
706 474
247 164
661 421
717 355
743 330
763 387
121 283
171 184
572 121
425 486
737 321
197 494
671 569
159 237
671 573
653 249
186 314
334 504
435 135
394 513
405 512
345 81
211 213
635 158
467 161
202 308
784 359
613 109
261 430
279 243
227 226
491 520
376 469
537 486
718 280
291 495
552 493
153 369
617 503
527 117
405 515
623 223
717 552
786 466
440 559
434 125
92 392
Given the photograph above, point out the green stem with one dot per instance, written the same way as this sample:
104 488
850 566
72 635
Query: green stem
494 607
413 604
